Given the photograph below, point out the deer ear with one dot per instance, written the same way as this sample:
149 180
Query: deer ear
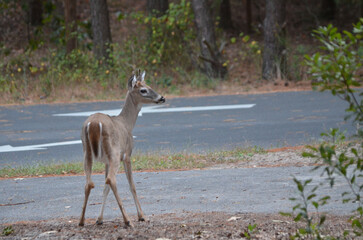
143 76
132 82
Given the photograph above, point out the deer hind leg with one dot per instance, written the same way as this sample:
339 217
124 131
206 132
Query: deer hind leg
128 171
106 190
89 183
111 180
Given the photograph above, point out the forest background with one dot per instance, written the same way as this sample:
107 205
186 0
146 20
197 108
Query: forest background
63 50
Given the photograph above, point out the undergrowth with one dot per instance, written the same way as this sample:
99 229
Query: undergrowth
164 46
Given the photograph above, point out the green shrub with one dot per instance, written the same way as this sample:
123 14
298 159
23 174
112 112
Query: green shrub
335 69
170 35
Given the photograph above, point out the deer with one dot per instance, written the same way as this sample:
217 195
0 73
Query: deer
109 139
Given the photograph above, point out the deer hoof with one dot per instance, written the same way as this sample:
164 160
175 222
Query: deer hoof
81 224
129 224
142 219
99 222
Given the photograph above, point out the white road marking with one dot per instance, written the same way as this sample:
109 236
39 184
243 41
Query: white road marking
112 112
9 148
147 109
157 109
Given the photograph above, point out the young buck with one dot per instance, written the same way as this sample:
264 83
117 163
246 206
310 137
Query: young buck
109 140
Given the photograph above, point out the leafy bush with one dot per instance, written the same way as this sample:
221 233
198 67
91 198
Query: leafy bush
165 51
335 69
170 35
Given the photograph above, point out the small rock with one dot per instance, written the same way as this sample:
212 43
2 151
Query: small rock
233 219
46 234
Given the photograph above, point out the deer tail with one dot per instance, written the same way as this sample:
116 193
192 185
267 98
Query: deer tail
94 138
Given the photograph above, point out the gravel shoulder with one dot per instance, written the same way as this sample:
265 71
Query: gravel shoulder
281 157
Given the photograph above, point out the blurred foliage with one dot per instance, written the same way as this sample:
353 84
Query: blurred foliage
165 46
249 49
169 35
335 69
165 50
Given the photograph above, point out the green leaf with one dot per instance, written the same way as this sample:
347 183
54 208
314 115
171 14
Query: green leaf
252 227
302 231
307 182
286 214
354 151
296 207
350 36
298 217
246 38
308 155
324 198
300 187
311 196
356 223
322 220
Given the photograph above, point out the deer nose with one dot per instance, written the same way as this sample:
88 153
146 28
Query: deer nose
162 99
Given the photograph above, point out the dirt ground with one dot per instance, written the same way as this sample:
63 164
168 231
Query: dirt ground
215 225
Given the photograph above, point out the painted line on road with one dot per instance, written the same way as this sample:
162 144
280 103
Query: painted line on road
147 109
157 109
9 148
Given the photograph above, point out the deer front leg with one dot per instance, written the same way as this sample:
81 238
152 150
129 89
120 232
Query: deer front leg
106 190
128 171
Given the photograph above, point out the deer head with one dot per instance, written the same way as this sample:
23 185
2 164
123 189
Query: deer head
139 89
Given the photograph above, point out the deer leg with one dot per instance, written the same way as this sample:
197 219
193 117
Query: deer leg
111 180
89 184
128 171
106 190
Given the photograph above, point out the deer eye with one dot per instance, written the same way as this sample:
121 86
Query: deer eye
143 91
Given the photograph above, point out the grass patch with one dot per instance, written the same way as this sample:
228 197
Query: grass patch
47 169
140 162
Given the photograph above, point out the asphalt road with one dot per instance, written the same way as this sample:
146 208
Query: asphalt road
33 134
252 190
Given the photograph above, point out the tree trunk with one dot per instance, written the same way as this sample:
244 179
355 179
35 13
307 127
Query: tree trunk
70 17
207 41
157 7
36 12
327 10
225 15
101 29
249 16
274 54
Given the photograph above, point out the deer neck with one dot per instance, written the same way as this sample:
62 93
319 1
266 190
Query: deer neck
130 111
